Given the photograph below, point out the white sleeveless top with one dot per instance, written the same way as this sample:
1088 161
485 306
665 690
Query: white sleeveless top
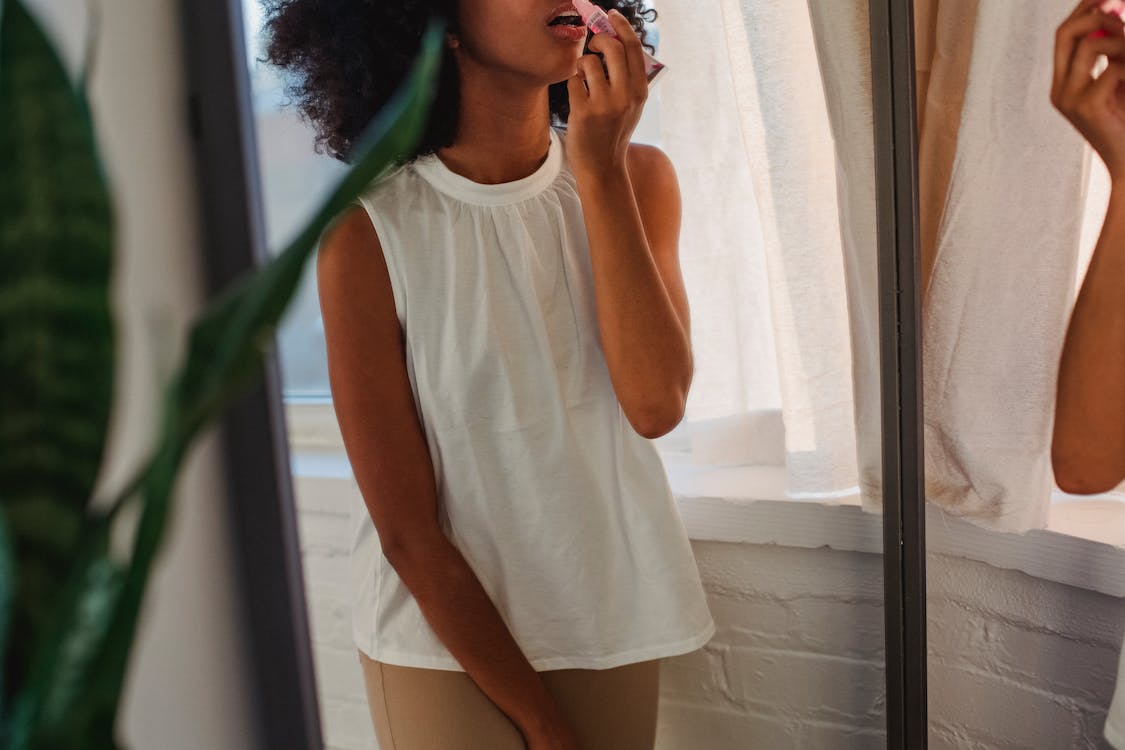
561 509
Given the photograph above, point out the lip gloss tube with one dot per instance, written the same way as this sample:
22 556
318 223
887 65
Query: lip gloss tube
598 22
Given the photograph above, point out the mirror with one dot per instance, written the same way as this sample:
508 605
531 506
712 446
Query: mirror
595 535
1026 522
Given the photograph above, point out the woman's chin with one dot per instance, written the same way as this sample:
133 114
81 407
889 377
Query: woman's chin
570 69
564 73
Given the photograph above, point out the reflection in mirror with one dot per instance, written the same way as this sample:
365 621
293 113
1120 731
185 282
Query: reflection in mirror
1021 126
583 398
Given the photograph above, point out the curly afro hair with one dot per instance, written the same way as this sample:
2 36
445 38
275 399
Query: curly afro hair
345 58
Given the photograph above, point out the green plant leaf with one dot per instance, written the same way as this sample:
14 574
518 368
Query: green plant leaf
52 692
86 651
57 349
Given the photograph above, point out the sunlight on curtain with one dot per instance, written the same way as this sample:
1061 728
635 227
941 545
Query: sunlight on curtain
1008 234
763 241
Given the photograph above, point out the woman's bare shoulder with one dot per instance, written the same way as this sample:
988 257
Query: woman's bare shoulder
647 162
654 179
350 267
348 239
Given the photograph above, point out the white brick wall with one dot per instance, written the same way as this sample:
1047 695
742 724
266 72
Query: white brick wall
797 659
1016 661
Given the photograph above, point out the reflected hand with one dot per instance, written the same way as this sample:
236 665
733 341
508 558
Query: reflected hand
606 102
1095 106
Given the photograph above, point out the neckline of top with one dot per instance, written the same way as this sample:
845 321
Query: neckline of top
434 171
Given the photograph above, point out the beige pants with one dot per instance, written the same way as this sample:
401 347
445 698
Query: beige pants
435 709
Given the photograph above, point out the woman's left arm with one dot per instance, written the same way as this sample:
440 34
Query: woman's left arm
631 204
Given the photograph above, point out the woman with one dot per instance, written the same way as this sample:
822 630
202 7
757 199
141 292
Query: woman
506 324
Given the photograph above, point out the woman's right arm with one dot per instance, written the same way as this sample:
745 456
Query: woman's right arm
387 449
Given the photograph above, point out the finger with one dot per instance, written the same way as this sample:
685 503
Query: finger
1100 107
1083 7
1102 92
615 61
1086 56
591 67
1111 8
635 54
576 91
631 43
1067 38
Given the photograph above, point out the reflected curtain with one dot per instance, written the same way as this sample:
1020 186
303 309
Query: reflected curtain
771 134
1008 219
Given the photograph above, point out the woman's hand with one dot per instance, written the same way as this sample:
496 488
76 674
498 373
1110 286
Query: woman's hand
1096 107
602 119
557 737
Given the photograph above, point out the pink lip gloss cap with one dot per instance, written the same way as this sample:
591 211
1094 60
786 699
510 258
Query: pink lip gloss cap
585 9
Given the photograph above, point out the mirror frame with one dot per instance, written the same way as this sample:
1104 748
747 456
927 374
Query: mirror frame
256 464
263 520
904 510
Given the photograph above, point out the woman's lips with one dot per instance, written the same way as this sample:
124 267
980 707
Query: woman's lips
568 33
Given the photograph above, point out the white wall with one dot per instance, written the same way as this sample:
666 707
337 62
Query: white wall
1016 661
187 684
797 659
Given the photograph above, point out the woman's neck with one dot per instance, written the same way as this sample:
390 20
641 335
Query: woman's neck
503 133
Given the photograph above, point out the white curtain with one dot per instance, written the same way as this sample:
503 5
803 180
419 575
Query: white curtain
766 112
1009 220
